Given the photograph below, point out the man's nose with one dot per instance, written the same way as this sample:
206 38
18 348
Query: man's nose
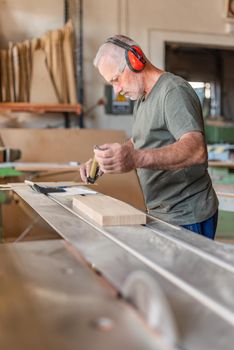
117 89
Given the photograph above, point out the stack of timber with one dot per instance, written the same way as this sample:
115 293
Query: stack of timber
53 55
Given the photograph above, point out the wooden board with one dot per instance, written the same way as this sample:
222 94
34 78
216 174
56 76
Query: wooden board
65 145
58 145
68 51
108 211
16 71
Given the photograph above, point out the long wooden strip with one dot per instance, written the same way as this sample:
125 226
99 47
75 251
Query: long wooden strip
11 73
57 64
108 211
16 71
4 75
40 108
69 66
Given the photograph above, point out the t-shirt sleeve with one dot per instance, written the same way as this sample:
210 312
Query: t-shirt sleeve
182 112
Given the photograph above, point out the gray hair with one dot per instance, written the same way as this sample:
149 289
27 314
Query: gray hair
115 52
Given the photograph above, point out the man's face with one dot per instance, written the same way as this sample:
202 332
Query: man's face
126 83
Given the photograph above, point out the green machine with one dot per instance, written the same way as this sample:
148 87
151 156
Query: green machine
220 132
117 105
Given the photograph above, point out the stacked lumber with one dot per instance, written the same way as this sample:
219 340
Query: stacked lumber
53 55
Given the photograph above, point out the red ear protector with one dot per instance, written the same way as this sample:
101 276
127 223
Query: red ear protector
133 55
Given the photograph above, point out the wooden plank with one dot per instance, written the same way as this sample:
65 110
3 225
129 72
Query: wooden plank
58 65
42 89
68 51
16 71
11 73
45 167
23 96
108 211
4 76
51 145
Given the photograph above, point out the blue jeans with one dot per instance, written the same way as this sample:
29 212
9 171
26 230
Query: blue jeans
205 228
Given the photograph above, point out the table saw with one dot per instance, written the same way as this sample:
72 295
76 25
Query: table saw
152 286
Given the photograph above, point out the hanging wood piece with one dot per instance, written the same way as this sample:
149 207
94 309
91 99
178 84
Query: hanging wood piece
5 76
58 65
23 97
16 72
35 45
46 46
68 49
42 89
28 67
11 73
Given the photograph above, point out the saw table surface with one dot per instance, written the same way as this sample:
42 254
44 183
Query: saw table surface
51 300
196 275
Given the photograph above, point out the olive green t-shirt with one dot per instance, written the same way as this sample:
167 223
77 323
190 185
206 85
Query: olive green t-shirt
183 196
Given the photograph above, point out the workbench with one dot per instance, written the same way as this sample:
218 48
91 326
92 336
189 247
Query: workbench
76 292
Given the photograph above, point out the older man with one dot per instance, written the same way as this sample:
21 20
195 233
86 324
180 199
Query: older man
167 147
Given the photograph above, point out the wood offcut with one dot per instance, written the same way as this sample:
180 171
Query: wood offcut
108 211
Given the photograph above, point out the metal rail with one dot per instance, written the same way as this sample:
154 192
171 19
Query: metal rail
220 310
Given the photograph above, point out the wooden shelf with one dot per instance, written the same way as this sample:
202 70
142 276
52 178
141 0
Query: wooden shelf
221 164
41 108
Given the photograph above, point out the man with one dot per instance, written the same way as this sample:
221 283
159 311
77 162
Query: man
167 147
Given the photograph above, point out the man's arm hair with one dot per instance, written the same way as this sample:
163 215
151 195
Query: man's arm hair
189 150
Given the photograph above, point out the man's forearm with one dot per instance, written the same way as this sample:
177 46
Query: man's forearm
188 151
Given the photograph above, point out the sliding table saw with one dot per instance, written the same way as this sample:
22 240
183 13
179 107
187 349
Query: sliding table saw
154 286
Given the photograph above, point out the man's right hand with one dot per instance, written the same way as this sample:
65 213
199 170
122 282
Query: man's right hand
85 170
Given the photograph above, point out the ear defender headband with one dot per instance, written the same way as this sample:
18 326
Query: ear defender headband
133 55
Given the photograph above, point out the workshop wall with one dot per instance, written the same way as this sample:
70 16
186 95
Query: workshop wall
21 19
27 19
137 19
